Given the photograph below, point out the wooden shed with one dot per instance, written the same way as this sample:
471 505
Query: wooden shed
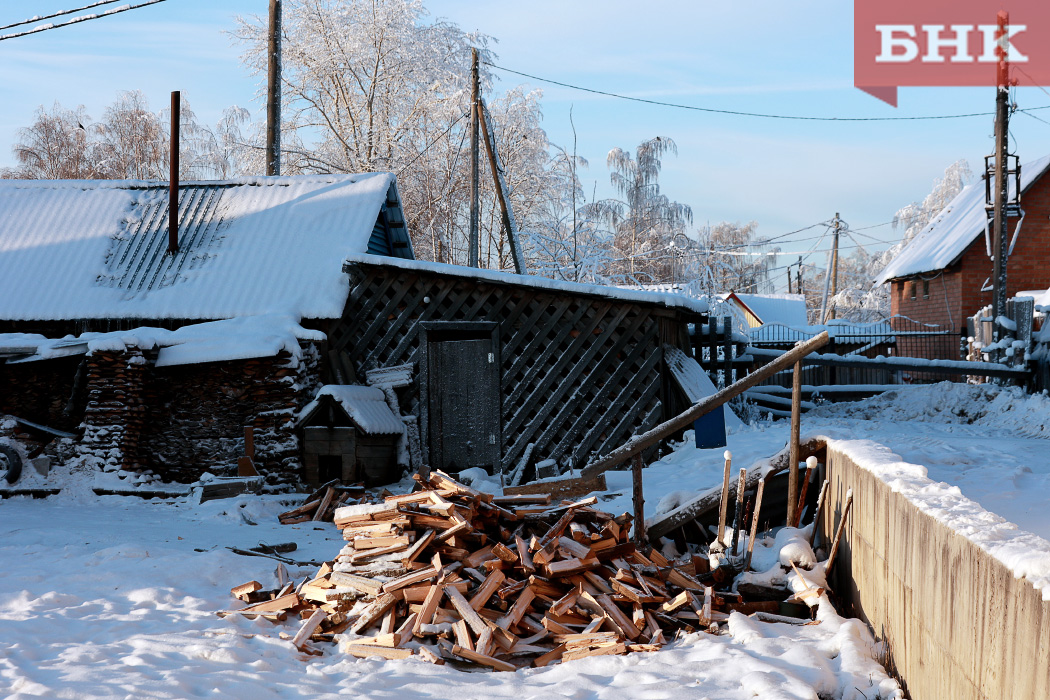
512 369
349 433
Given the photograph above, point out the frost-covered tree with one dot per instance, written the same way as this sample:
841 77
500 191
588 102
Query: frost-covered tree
58 145
129 142
734 258
913 218
376 85
643 222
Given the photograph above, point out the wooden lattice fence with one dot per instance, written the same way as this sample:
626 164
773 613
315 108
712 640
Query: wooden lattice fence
580 373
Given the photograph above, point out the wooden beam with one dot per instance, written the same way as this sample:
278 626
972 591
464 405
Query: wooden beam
661 432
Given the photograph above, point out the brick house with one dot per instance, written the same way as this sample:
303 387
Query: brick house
944 274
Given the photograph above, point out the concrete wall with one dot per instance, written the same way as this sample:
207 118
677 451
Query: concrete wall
957 622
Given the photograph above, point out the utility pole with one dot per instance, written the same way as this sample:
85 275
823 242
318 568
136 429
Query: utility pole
831 273
1001 240
789 279
798 278
475 97
173 173
273 92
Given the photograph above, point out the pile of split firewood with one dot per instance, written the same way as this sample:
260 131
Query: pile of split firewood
451 574
322 503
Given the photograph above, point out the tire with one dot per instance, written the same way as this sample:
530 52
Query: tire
10 464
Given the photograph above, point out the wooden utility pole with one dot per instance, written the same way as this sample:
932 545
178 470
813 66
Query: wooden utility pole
789 279
834 269
798 278
475 90
1001 239
273 92
510 226
173 174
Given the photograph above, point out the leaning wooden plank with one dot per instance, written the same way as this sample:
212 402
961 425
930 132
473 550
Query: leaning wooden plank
416 549
326 500
536 498
361 583
363 651
308 628
373 612
373 553
443 481
469 615
523 555
482 659
618 617
552 655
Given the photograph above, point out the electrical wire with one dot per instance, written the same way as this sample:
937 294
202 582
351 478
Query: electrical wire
77 20
737 113
431 144
57 14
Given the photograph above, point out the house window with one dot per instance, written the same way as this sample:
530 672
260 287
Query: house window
912 287
925 289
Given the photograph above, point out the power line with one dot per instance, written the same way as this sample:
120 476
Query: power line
76 20
711 110
57 14
429 145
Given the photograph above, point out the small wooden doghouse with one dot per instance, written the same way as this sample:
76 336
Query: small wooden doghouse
349 433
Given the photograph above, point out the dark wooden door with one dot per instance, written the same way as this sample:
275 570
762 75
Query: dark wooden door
463 401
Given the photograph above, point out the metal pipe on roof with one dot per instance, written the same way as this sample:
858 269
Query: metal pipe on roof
173 174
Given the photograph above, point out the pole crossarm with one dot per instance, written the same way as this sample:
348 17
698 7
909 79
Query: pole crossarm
638 443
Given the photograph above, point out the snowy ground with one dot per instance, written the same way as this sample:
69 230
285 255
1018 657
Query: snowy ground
108 597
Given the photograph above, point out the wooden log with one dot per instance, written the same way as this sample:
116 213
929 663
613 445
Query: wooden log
363 651
838 533
518 609
241 592
723 506
754 524
639 501
738 516
373 612
821 498
487 589
523 555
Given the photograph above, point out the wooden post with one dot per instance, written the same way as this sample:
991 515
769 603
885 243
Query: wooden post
475 90
738 518
816 511
502 191
173 174
811 472
639 501
754 523
712 348
723 507
249 441
727 349
796 426
838 533
273 91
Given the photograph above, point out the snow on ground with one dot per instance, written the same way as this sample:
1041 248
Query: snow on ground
107 597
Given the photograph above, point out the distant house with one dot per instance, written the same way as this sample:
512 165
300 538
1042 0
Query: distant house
944 274
281 286
754 310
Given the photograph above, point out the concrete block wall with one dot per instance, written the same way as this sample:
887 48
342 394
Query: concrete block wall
957 623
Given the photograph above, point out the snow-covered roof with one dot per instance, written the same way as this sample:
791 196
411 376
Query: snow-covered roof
366 406
952 231
75 249
789 309
500 277
214 341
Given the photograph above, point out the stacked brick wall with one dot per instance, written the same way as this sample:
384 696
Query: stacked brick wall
115 414
41 391
197 415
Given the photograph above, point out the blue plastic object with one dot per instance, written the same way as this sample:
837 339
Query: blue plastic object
710 429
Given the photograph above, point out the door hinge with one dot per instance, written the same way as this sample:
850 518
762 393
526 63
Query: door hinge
492 438
492 357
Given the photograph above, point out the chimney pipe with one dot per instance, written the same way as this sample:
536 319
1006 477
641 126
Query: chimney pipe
173 176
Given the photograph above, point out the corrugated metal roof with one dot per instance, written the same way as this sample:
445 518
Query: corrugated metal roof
98 249
954 229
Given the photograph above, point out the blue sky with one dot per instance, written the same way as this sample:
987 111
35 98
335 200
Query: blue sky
784 58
